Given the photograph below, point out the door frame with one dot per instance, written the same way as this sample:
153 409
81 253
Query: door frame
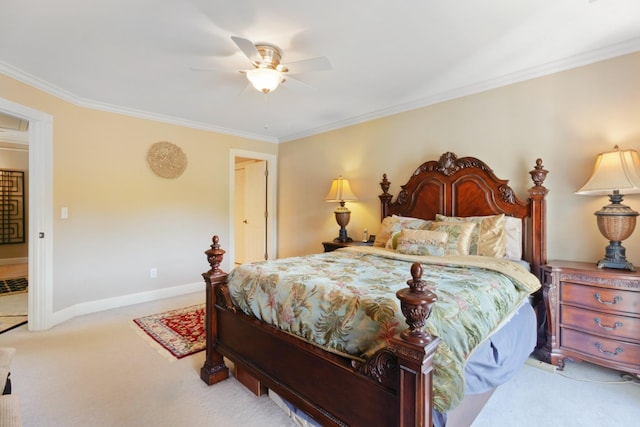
40 296
272 187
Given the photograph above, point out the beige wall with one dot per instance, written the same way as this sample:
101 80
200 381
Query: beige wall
19 161
123 219
565 118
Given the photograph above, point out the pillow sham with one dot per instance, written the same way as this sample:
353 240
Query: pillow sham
459 235
396 223
489 238
422 242
513 227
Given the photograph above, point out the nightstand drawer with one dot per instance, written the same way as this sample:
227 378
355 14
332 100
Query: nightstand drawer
600 298
615 326
592 314
602 348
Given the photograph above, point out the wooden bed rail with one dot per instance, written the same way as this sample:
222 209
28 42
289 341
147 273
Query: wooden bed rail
397 380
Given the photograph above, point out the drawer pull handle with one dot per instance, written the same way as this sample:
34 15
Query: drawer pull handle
599 299
615 326
608 353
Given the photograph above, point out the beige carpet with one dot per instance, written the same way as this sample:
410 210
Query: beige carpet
96 371
13 307
13 310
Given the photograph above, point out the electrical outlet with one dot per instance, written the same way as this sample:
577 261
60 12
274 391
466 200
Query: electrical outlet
153 273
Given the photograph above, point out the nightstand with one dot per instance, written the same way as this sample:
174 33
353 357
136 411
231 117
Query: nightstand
333 245
592 314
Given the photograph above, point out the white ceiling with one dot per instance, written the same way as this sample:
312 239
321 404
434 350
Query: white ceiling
135 56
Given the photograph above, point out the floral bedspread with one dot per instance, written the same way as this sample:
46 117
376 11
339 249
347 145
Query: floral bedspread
344 301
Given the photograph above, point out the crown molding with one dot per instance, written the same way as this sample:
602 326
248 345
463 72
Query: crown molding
14 136
586 58
65 95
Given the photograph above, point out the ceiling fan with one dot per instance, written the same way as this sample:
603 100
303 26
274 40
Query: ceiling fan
268 73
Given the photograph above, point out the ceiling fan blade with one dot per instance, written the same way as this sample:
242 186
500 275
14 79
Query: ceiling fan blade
248 48
295 84
320 63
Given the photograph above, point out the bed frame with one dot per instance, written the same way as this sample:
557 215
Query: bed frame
393 388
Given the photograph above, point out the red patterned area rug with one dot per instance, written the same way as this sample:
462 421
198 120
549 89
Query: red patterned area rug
180 332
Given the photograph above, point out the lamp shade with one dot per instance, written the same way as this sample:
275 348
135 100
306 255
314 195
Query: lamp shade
614 170
340 191
264 79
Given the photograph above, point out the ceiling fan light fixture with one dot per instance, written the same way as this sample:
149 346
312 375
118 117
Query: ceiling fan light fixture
264 79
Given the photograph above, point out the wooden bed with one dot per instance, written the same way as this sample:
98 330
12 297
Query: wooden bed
393 388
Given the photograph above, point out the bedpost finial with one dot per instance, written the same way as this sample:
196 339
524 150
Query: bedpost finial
384 184
416 283
214 257
416 303
539 173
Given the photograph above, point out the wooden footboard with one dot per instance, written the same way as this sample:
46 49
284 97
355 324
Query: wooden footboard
394 387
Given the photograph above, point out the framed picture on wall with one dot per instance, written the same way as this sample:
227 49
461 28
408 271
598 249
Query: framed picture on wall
12 216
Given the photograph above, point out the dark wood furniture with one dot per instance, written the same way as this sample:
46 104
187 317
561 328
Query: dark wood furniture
593 314
394 387
333 245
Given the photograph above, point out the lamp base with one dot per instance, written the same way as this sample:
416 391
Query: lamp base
616 223
342 236
615 257
342 217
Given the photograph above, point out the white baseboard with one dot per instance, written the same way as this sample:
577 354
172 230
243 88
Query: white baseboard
122 301
8 261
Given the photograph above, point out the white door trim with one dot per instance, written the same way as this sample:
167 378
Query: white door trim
40 309
272 180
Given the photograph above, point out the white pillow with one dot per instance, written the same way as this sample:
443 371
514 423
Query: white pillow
514 237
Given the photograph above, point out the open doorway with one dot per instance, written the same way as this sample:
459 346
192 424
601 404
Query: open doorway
252 202
40 212
250 210
14 202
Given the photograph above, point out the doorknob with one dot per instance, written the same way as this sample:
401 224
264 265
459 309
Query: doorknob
245 221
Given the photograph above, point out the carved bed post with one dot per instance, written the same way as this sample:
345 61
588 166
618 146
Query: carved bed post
537 194
214 370
385 197
415 349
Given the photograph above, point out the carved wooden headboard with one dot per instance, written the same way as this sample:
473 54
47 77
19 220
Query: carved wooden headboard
466 186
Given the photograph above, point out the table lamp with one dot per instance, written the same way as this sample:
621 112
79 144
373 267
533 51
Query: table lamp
615 172
341 192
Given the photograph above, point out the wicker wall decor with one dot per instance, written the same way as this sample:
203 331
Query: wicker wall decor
11 207
166 159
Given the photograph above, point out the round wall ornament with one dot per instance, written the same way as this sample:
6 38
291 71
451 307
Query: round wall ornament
166 159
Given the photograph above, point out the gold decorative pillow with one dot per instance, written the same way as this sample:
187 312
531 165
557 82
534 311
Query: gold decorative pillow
459 235
396 223
489 237
422 242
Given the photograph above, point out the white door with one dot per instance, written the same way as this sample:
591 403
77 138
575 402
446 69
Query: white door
255 212
240 215
263 190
